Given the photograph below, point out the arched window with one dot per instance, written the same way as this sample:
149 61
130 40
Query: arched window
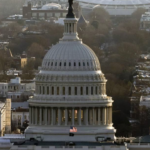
83 63
75 91
69 63
74 64
52 90
60 64
43 90
69 90
47 90
57 90
86 90
64 63
96 90
81 89
79 64
91 90
63 90
51 63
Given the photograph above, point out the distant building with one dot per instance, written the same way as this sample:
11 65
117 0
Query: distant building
47 11
145 21
5 117
17 90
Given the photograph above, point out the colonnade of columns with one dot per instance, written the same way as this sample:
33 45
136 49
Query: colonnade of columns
70 116
71 90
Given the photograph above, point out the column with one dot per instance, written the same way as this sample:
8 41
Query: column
110 115
86 116
49 115
99 115
50 88
32 111
42 89
66 90
79 119
104 116
60 90
72 90
30 117
90 115
55 90
66 116
45 116
107 114
40 116
36 116
52 116
59 116
72 116
93 116
89 88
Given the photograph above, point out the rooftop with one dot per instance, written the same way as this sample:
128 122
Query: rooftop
116 2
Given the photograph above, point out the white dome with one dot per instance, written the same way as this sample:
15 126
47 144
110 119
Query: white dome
51 6
70 56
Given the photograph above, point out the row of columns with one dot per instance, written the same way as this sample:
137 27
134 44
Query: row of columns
70 116
71 90
70 27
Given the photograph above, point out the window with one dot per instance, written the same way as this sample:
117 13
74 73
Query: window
52 90
69 90
86 90
57 90
64 63
48 64
40 89
91 90
74 64
81 89
52 64
75 91
83 63
79 64
69 63
63 90
47 90
87 63
96 90
43 90
55 63
60 64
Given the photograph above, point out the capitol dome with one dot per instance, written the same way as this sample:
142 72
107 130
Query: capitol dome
51 6
70 91
70 56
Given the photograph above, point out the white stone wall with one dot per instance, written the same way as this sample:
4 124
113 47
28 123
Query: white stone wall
3 89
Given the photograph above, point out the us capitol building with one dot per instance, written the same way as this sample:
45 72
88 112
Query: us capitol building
70 91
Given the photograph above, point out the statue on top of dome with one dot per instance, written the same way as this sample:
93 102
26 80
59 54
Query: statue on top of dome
70 10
